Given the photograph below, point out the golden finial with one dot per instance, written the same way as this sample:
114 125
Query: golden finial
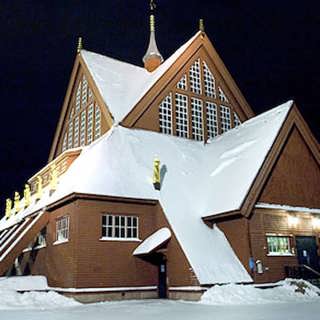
201 25
156 173
16 202
27 196
80 45
8 208
39 188
152 23
53 178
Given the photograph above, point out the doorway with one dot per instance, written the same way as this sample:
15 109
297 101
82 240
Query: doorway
162 289
307 251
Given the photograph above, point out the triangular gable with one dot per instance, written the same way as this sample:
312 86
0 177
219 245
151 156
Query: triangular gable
294 121
199 46
84 116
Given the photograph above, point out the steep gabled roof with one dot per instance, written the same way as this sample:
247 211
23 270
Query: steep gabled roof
123 84
199 179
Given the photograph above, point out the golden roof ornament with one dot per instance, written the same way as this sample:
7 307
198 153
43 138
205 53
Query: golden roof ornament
80 45
16 202
27 195
8 208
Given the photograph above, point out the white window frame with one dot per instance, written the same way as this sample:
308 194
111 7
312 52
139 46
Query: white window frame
182 118
90 123
62 229
197 119
209 82
182 84
97 121
119 227
225 118
165 115
195 77
212 119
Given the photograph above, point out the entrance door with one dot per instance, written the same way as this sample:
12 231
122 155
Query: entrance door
163 279
307 252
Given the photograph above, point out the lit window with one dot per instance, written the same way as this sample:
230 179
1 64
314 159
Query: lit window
70 135
97 130
62 229
237 121
209 82
83 128
279 245
195 77
65 142
76 132
84 91
90 124
78 97
212 119
181 115
119 227
222 96
225 116
165 115
182 84
197 119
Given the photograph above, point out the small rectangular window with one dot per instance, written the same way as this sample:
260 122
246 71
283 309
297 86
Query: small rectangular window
279 245
62 229
182 125
225 116
119 227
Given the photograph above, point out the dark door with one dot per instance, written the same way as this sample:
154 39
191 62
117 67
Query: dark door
307 252
163 279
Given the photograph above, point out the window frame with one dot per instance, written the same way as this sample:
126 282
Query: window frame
290 252
117 227
59 230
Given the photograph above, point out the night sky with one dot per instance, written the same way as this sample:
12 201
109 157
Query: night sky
271 48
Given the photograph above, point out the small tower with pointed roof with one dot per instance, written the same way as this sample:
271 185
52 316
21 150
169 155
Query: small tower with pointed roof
153 58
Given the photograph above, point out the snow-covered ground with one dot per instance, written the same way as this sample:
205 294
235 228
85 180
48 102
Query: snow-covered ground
292 300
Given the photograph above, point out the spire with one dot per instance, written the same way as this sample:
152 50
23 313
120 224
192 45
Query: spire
153 58
201 25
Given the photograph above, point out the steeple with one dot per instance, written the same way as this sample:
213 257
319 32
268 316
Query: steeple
153 58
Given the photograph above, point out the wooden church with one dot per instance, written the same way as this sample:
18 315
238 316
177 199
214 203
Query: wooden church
162 182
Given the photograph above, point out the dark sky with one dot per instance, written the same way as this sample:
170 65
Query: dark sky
271 48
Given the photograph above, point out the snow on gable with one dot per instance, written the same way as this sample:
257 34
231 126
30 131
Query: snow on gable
199 180
122 84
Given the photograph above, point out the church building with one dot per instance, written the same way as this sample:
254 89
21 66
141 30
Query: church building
161 182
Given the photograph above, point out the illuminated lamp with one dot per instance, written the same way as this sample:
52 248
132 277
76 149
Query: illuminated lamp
316 223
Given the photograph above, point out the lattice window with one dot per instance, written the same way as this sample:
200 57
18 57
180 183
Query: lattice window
225 116
237 121
65 142
197 119
78 98
182 84
90 93
209 82
76 132
212 119
70 135
84 91
182 125
195 77
165 115
90 124
97 116
71 114
83 128
222 96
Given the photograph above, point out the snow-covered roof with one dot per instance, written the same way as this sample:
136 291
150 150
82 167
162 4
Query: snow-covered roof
122 84
283 207
199 180
153 241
